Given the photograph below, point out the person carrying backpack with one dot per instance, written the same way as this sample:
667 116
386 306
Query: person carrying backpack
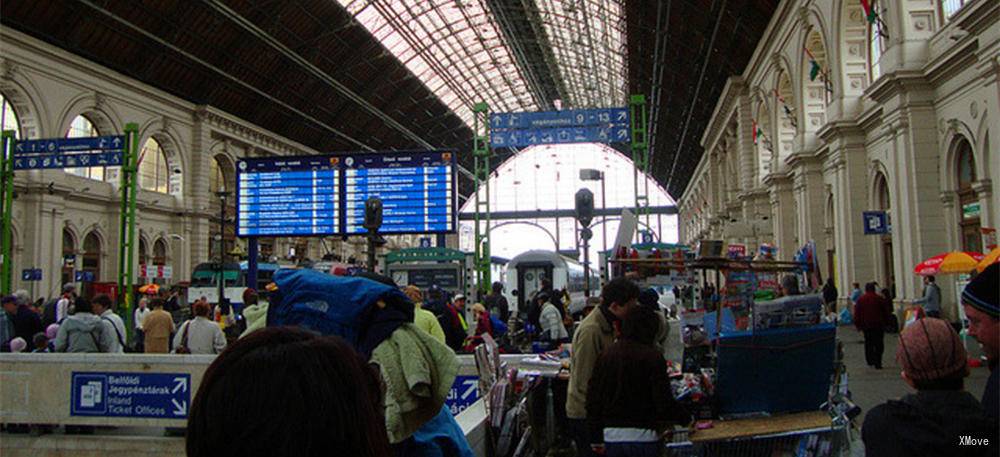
84 331
931 300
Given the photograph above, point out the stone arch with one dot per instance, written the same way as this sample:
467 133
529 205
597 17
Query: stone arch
852 40
814 95
142 248
957 131
93 249
94 107
764 150
164 133
161 251
983 147
785 118
27 105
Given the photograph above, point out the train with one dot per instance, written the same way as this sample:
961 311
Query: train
204 281
526 270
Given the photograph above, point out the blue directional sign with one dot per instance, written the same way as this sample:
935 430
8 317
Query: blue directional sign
464 392
610 125
84 276
425 242
31 274
99 151
876 222
155 395
325 195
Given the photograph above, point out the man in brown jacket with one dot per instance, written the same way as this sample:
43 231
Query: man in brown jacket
157 328
596 333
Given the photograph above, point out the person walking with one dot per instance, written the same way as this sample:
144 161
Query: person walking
25 321
551 324
629 417
422 318
102 307
932 421
870 317
453 323
595 334
856 293
830 296
981 302
200 335
84 331
931 300
66 302
157 328
141 311
496 303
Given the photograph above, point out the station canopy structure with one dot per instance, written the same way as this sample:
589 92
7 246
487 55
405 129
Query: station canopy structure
355 75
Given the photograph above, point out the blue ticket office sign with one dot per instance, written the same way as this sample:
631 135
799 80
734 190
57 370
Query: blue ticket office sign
464 392
876 222
150 395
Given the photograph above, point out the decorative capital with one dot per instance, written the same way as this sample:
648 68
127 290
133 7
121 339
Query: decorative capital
10 69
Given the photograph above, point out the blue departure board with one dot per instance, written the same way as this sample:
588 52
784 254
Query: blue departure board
417 191
325 195
294 196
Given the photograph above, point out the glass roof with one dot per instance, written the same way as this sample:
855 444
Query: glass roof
458 50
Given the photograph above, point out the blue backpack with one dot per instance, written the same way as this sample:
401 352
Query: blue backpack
499 327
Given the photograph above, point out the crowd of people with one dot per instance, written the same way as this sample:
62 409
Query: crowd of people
618 400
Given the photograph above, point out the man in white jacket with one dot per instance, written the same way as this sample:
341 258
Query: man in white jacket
102 308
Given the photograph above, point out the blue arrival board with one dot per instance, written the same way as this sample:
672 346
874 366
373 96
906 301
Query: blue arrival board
515 130
325 195
96 151
464 392
154 395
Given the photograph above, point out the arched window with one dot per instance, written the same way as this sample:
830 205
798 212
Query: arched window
153 171
875 47
143 249
884 202
222 178
9 117
968 199
92 255
950 7
68 256
83 127
159 252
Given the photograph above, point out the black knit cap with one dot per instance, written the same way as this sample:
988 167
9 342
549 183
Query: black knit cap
982 293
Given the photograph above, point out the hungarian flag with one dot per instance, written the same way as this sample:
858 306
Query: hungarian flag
757 132
870 13
813 70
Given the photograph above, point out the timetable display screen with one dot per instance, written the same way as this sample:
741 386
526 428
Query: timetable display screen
417 191
325 195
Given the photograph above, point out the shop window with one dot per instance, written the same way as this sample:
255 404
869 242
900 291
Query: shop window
968 199
92 255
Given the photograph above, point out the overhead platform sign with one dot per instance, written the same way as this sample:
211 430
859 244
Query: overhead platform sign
100 151
325 195
516 130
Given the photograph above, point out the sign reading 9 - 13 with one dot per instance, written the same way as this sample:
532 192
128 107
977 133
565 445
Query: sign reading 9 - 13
325 195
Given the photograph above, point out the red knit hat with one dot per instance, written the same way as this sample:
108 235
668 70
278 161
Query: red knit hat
929 349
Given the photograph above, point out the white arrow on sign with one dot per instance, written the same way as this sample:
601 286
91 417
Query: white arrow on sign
116 142
470 388
180 383
180 409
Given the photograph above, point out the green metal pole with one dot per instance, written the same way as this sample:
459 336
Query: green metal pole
7 208
481 154
126 253
640 152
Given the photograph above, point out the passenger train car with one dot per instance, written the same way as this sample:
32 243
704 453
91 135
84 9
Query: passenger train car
205 281
525 272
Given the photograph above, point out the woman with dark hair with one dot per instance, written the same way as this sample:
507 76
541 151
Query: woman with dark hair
286 391
629 401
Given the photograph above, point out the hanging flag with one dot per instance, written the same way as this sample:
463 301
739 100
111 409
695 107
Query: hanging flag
873 18
870 13
756 131
813 70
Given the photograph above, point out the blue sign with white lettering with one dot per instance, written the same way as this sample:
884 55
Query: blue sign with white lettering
31 274
425 242
876 222
610 125
98 151
155 395
464 392
84 276
647 236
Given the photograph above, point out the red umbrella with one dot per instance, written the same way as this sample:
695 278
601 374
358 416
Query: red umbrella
949 262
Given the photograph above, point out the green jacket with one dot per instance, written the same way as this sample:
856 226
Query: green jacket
594 335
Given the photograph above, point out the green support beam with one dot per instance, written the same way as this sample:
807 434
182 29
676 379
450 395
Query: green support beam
640 153
7 210
481 152
126 230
